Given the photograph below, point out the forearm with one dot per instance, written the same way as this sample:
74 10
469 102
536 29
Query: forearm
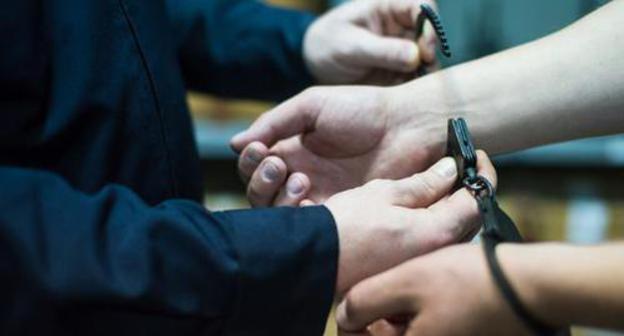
174 268
564 285
566 86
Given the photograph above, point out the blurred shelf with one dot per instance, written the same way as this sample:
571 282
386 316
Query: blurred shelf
213 144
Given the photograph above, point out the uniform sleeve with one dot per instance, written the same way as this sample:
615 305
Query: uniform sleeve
104 264
241 48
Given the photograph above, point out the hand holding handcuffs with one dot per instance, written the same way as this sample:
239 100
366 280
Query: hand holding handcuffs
497 227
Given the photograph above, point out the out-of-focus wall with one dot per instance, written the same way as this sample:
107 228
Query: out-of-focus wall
481 27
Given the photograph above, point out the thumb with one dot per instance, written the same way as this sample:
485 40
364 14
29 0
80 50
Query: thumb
424 189
460 207
388 53
295 116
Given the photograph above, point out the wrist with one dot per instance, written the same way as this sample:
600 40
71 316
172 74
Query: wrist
417 111
525 267
460 92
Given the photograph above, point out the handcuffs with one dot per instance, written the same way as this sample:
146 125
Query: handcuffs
497 226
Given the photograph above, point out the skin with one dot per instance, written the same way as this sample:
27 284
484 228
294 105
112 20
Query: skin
398 220
339 137
368 41
454 285
566 86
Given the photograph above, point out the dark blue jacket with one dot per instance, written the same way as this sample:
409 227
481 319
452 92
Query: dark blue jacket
101 229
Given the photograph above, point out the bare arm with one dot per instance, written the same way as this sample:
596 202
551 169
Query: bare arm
560 284
566 86
583 285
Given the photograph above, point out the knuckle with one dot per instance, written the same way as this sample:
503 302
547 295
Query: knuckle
310 102
453 233
444 230
424 188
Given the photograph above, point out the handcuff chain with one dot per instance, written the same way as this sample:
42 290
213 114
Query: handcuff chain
479 186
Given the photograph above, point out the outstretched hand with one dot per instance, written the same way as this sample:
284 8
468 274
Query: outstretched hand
330 139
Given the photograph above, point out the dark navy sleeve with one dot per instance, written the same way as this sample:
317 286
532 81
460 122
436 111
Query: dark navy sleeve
241 48
108 264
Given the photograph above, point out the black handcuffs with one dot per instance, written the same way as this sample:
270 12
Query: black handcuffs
497 226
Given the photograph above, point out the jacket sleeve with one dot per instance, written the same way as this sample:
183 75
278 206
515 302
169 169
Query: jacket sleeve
107 264
240 48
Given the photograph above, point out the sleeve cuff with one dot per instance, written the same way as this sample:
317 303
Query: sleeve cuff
288 259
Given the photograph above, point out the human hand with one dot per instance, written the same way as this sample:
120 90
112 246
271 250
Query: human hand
448 292
338 138
384 222
368 41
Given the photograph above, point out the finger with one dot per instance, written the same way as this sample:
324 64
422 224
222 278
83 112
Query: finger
470 235
250 159
295 116
375 298
486 168
266 182
424 189
405 12
427 45
386 328
388 53
459 213
306 203
296 188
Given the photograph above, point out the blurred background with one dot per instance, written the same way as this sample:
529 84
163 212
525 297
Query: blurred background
571 191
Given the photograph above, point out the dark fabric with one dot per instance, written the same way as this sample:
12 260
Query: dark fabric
240 48
101 229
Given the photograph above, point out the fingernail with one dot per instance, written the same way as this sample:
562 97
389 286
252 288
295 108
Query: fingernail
294 186
237 138
253 156
446 168
412 54
270 172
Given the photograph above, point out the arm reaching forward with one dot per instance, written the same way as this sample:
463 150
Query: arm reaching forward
566 86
